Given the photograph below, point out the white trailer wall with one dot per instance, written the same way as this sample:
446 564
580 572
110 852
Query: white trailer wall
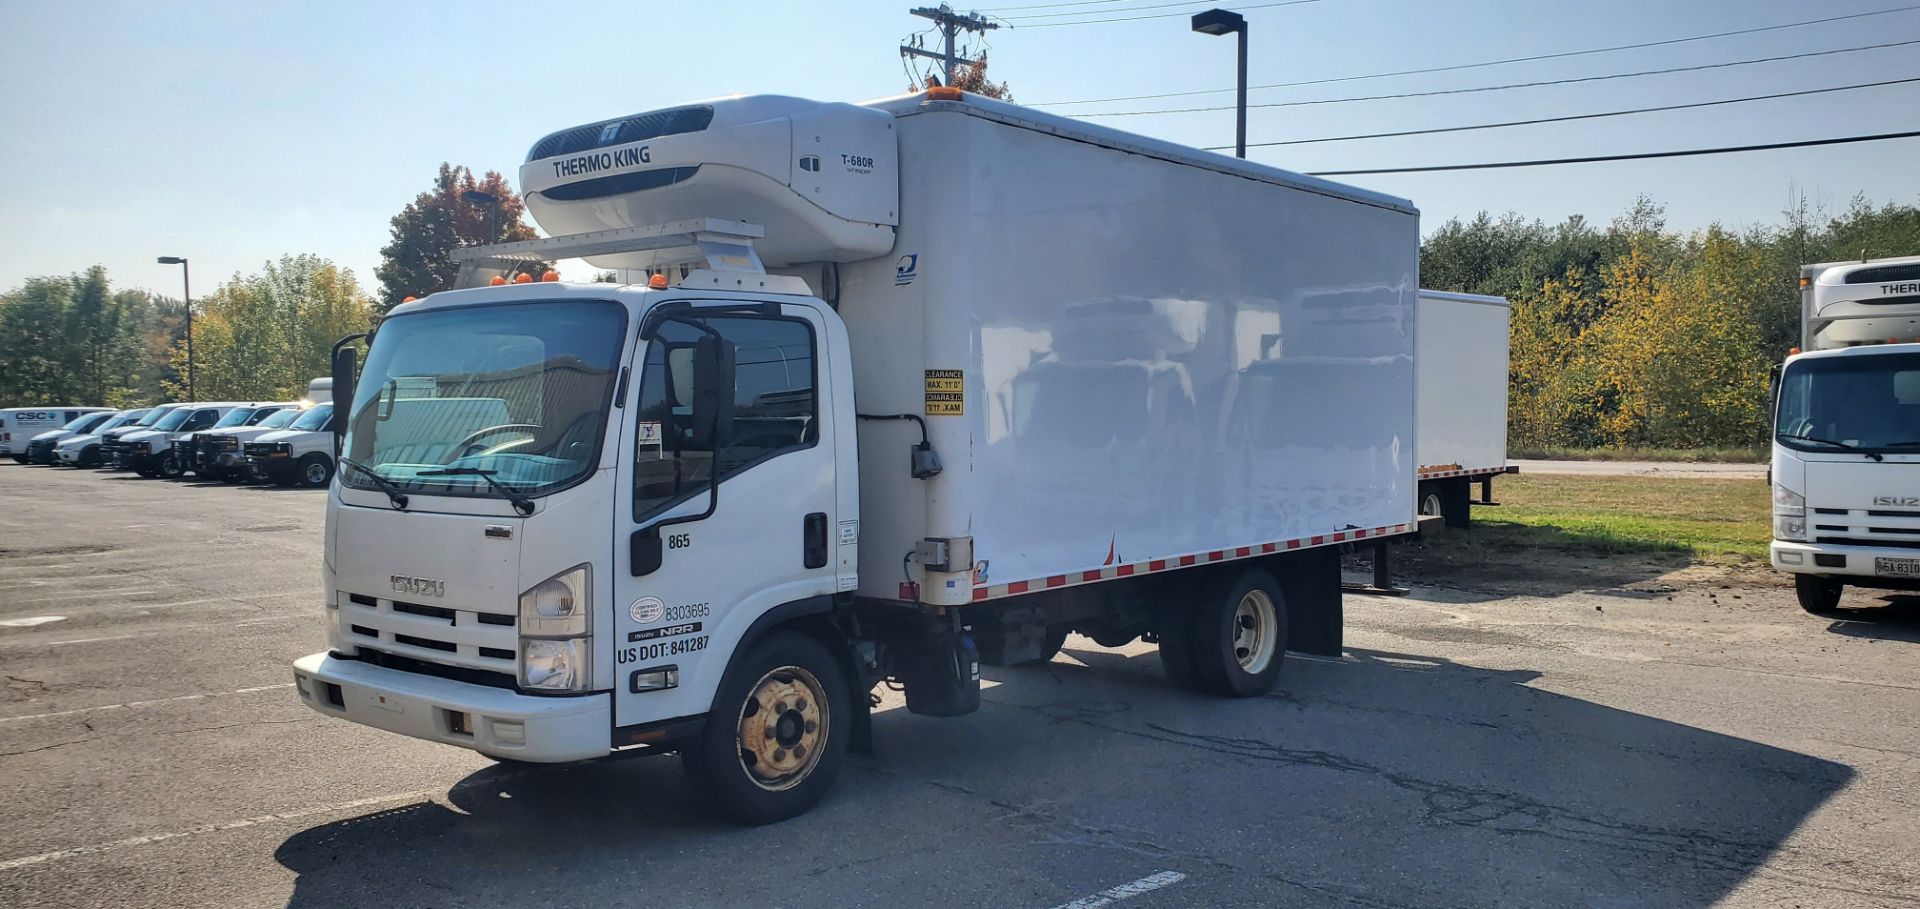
1159 359
1462 369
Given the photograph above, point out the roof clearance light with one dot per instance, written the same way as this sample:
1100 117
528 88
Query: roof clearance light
1804 280
945 93
1793 352
523 278
657 282
409 299
496 281
550 275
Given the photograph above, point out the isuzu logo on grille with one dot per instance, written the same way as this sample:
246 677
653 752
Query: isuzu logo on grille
1897 501
431 587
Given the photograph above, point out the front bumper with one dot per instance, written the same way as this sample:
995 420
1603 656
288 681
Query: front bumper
554 729
1841 561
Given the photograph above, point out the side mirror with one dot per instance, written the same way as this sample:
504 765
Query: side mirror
344 366
712 404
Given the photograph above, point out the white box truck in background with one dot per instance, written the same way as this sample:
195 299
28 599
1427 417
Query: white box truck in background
1846 433
1461 428
18 425
1103 382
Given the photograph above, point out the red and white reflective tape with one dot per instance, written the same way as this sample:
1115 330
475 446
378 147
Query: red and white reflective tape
1426 474
1172 563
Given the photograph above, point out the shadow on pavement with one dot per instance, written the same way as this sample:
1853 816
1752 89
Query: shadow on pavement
1380 779
1894 617
1490 561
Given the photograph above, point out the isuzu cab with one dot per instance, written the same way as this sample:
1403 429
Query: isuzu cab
1846 433
909 385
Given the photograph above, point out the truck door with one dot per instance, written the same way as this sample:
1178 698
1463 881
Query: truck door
726 553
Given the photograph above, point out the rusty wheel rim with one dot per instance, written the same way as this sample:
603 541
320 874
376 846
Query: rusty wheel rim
783 728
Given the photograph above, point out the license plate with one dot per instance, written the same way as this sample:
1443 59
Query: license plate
1899 568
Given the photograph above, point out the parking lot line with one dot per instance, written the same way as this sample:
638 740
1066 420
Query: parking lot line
1113 895
136 704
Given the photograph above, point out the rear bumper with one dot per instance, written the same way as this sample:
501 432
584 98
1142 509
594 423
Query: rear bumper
1844 562
553 729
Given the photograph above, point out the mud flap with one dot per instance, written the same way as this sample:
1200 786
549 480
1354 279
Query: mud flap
1310 580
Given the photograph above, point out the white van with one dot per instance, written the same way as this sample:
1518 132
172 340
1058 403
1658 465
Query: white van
299 455
198 451
18 425
150 453
83 449
40 448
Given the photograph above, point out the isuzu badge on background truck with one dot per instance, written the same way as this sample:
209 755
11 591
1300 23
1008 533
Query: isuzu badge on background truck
1846 433
951 378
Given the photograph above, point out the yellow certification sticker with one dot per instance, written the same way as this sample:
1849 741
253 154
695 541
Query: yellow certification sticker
946 392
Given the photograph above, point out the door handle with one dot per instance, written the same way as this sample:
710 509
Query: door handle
644 552
814 540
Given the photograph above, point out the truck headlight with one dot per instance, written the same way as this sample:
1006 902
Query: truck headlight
556 621
1789 514
559 606
554 665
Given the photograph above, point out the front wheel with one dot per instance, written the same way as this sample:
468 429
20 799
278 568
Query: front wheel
777 735
316 470
171 468
1817 594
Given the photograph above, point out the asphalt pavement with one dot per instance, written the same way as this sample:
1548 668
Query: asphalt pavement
1647 743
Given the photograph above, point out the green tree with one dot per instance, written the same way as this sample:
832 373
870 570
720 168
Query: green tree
264 336
418 259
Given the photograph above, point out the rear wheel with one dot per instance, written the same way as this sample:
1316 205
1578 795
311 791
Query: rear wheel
171 468
1817 594
316 470
1239 636
777 735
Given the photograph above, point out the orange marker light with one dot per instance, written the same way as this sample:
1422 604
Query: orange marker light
1793 352
409 299
496 281
551 275
1804 281
657 282
945 93
523 278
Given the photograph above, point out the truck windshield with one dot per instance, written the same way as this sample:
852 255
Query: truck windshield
1869 402
281 419
121 420
312 419
173 419
236 417
519 390
154 416
86 423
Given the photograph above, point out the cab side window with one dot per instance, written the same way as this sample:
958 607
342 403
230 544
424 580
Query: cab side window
775 407
200 420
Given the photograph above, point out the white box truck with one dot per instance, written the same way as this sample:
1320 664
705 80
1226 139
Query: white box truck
18 425
984 375
1846 433
1461 425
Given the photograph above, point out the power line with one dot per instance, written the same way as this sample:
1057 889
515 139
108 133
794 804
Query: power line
1240 8
1461 66
1130 9
949 23
1572 117
1685 153
997 9
1511 85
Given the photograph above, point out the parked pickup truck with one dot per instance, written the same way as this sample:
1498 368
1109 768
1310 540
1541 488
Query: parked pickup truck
299 455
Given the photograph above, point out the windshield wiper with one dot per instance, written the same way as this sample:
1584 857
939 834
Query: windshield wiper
1910 443
521 503
1846 445
394 495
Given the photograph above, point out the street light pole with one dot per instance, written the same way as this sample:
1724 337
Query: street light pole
1221 22
186 294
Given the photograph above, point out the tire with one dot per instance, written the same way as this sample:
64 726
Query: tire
1238 636
171 468
1818 595
1172 629
1432 502
315 471
1050 647
796 678
89 457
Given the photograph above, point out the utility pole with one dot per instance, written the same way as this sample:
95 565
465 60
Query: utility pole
950 24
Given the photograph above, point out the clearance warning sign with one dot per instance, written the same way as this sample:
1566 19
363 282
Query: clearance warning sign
946 392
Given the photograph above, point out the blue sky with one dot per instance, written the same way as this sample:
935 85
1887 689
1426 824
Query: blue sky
235 132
